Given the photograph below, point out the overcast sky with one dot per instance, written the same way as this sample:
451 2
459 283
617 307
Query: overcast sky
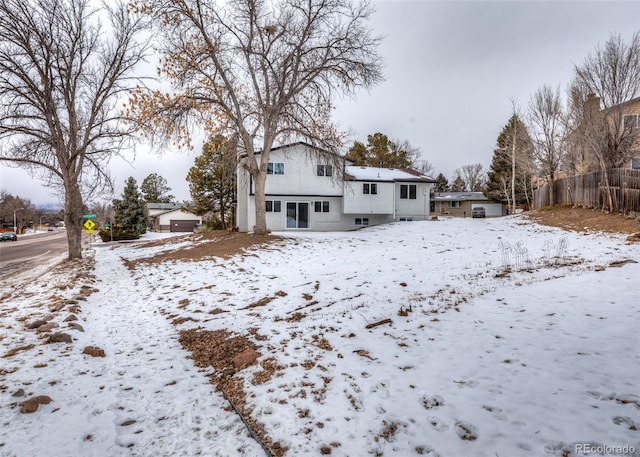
451 71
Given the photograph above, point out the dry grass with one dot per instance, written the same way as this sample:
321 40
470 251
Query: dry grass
585 219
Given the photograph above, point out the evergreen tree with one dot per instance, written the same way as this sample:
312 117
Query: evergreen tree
358 153
155 189
130 212
458 185
514 146
442 185
382 152
212 180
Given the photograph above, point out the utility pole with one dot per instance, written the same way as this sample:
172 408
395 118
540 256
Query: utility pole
14 218
513 168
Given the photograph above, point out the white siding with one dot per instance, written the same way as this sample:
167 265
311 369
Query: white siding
347 202
417 208
300 175
178 214
357 202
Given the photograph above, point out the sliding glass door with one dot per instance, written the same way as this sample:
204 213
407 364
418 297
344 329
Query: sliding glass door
297 215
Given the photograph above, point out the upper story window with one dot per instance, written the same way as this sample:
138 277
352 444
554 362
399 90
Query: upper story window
275 168
408 191
369 188
632 121
325 170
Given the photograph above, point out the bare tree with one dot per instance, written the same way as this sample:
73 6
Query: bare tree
264 71
424 167
603 84
546 127
61 75
472 175
14 210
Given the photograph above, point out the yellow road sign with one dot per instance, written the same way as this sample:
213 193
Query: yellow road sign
89 225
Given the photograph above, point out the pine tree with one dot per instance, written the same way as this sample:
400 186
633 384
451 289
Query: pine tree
130 212
442 184
382 152
212 180
155 189
513 144
458 185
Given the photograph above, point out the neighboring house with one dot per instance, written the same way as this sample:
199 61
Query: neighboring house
171 217
303 192
632 121
460 204
625 116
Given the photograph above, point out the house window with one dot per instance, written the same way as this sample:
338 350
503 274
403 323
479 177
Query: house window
362 221
632 121
408 191
406 219
325 170
321 207
275 168
273 206
635 163
370 188
454 204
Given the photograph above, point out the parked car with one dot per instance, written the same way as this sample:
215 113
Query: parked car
478 211
8 236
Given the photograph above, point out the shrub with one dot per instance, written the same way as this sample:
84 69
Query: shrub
119 234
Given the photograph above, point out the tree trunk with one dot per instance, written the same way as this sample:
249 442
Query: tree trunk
223 218
513 173
551 195
260 180
607 184
73 220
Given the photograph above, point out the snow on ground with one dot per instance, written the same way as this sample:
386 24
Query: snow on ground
476 361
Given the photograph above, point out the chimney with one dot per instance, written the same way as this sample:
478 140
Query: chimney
592 104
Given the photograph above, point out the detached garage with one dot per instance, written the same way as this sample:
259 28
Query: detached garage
183 225
460 204
490 209
176 220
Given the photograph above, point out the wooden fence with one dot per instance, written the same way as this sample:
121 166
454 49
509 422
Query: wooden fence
589 190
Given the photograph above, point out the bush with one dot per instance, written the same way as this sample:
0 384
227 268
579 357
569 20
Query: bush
119 234
213 224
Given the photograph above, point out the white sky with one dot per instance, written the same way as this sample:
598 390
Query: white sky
451 71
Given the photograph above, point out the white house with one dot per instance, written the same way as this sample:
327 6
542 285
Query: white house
303 192
171 217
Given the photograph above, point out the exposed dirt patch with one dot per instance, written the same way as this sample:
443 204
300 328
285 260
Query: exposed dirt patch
217 349
219 244
214 348
585 219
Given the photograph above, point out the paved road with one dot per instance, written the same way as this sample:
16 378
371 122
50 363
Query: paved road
31 248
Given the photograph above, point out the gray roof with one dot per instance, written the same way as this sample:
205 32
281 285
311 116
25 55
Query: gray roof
459 196
357 173
164 206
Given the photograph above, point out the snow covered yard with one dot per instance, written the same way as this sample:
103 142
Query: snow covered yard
407 339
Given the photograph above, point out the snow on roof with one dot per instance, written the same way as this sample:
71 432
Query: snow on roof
165 206
356 173
459 196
